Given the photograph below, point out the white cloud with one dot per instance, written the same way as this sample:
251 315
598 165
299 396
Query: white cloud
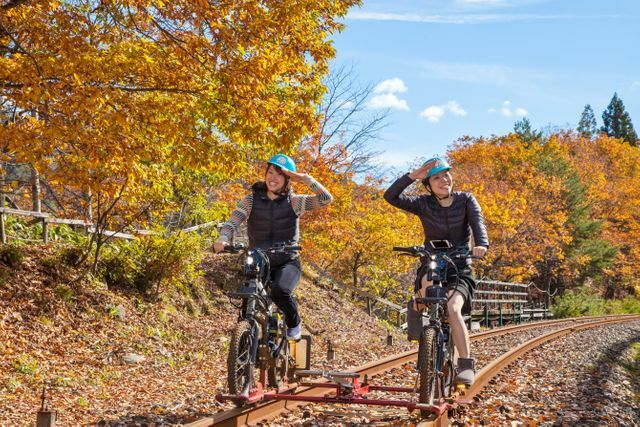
454 108
507 111
391 86
497 75
386 95
635 85
434 113
458 19
388 100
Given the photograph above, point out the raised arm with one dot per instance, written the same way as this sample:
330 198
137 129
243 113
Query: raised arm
238 216
305 202
394 196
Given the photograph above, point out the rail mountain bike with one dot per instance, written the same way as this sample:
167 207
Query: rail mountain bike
258 343
437 355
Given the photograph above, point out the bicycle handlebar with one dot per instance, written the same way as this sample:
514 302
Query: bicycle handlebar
416 251
239 247
284 248
234 248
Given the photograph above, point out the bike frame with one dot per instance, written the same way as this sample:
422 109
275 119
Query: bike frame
256 301
438 260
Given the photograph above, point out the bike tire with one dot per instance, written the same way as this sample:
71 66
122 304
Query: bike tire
278 374
239 368
449 370
428 375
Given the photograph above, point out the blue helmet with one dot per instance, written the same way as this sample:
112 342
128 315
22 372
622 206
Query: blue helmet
283 161
436 164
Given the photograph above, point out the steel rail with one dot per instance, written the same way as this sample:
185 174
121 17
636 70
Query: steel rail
495 367
270 409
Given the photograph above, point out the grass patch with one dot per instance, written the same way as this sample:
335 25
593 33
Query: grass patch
26 365
582 302
64 292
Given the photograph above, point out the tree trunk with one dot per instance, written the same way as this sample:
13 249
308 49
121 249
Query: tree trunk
35 190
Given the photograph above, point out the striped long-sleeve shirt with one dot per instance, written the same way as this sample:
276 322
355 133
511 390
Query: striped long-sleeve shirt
300 203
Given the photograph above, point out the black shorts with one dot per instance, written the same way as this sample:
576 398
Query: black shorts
466 284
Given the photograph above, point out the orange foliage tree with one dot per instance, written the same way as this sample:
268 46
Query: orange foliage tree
114 98
561 211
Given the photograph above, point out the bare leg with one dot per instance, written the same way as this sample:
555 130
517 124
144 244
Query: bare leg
458 327
422 292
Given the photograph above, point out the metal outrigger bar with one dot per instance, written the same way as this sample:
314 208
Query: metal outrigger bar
348 390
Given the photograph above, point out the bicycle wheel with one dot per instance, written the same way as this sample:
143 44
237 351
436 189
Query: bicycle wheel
278 373
239 367
428 375
449 369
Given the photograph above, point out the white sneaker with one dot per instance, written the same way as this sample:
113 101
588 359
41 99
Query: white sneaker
294 334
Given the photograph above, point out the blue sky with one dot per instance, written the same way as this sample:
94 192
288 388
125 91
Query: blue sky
450 68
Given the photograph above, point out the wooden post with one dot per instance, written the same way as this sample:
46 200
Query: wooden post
45 239
369 309
46 417
486 315
389 339
398 319
331 353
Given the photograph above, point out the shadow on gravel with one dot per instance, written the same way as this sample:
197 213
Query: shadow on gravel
601 391
152 420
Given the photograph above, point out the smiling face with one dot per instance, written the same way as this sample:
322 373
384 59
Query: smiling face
441 183
274 179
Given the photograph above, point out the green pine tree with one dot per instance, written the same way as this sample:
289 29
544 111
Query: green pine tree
523 129
617 122
587 125
586 230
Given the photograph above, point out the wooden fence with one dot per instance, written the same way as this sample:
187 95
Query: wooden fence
45 219
494 303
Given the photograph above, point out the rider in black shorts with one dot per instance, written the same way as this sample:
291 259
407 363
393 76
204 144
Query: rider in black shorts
445 215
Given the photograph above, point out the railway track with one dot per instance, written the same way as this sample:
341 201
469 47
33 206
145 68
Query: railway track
546 331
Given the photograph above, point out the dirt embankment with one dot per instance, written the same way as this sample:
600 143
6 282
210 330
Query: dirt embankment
113 358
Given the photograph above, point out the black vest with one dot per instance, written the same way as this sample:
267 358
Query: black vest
271 221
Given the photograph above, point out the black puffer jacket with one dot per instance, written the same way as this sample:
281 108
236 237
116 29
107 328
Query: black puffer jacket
271 221
454 223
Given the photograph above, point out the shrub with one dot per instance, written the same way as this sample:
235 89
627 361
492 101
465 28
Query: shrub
153 261
11 256
64 292
71 255
582 302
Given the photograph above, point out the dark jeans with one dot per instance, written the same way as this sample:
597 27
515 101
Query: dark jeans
285 274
